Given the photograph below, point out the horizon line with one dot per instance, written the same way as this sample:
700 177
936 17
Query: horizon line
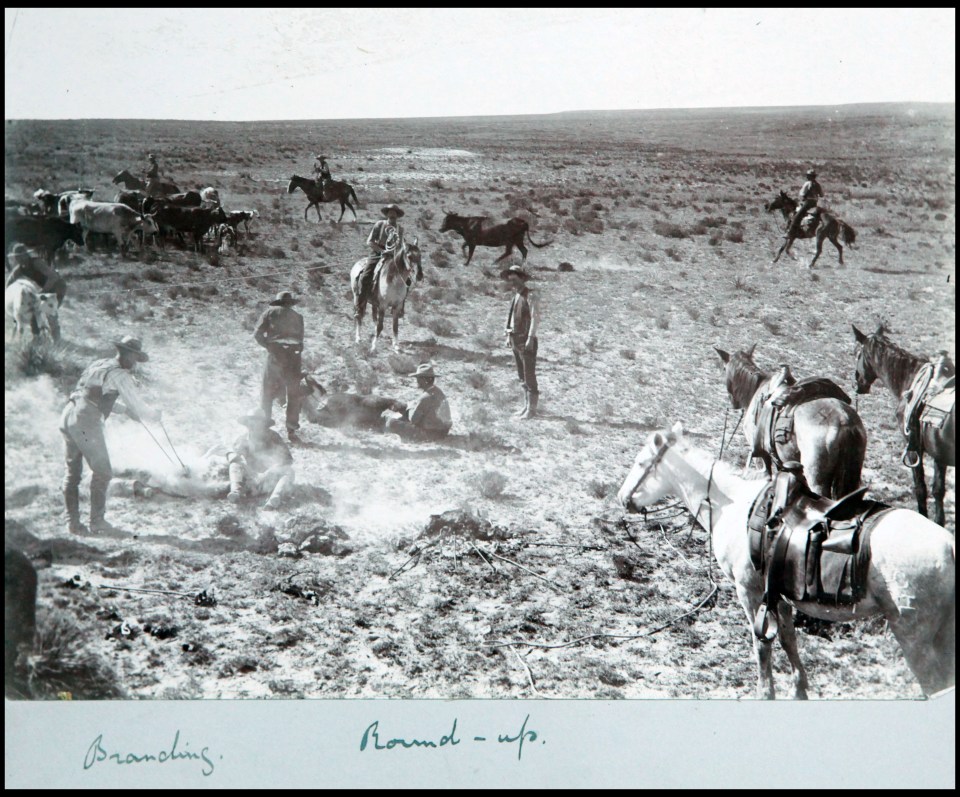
728 108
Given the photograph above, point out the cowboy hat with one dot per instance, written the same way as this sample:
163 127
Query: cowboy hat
284 299
255 420
811 173
514 271
392 207
319 157
425 370
133 346
151 157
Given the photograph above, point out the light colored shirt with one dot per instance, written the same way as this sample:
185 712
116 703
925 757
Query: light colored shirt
382 234
533 302
811 190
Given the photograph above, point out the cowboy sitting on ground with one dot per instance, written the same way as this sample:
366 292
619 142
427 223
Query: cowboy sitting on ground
81 424
260 463
810 193
430 419
386 234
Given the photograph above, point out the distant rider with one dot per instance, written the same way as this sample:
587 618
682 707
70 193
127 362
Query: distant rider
810 193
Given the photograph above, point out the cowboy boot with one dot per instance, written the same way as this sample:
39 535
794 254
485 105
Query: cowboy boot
531 412
71 497
98 506
526 404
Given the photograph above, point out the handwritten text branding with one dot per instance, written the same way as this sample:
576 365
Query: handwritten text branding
372 739
97 753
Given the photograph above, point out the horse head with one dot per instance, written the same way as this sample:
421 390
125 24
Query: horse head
864 373
742 375
644 473
448 221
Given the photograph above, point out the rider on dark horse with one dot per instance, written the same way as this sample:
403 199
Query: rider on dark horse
810 193
321 171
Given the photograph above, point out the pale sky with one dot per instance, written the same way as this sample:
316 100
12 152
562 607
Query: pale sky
350 63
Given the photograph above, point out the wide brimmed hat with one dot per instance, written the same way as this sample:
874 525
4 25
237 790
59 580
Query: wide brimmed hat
19 252
811 173
284 299
393 207
425 369
319 157
514 271
255 420
151 157
133 346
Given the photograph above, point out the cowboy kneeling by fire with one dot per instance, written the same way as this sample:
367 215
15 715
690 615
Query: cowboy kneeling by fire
260 463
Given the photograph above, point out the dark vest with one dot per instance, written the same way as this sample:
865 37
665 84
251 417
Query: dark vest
519 318
90 387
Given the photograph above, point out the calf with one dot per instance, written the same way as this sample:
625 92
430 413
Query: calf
25 305
39 232
226 239
113 218
196 221
236 217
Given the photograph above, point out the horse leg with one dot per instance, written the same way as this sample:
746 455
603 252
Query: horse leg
343 209
305 211
376 335
939 487
523 250
919 629
819 250
750 601
396 329
837 244
506 254
788 639
920 485
352 210
782 248
471 248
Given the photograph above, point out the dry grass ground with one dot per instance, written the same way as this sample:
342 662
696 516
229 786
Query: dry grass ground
661 217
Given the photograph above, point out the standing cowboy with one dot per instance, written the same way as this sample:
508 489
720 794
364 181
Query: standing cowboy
810 193
386 233
522 324
260 462
81 425
431 417
280 332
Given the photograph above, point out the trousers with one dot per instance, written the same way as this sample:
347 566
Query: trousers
526 363
275 482
81 425
281 380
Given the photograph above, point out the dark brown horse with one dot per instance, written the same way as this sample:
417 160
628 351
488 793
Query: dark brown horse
828 437
155 187
880 358
826 226
475 233
333 191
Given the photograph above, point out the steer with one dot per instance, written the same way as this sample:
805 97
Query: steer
113 218
475 233
65 199
39 232
196 221
236 217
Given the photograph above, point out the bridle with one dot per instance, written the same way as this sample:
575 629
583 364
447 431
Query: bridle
654 461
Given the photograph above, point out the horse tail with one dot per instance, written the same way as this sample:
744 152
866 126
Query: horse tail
539 246
353 193
847 232
852 445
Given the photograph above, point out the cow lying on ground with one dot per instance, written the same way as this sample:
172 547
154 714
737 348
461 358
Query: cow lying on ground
110 217
28 308
47 234
344 410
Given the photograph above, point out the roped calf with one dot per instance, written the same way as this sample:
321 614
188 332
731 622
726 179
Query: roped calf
27 307
111 218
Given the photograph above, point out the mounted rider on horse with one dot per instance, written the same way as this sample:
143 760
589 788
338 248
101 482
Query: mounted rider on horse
810 194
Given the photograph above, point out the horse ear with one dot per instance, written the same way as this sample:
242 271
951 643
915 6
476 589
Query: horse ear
677 430
659 440
415 239
858 334
723 355
881 328
749 352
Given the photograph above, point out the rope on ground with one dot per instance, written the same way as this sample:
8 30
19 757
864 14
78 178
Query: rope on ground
533 684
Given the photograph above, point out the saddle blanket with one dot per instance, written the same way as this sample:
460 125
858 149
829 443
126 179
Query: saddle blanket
937 408
774 425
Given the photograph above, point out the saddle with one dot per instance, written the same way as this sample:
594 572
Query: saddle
810 221
809 548
929 401
775 409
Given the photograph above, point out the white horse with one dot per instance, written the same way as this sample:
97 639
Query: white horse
390 289
28 308
911 579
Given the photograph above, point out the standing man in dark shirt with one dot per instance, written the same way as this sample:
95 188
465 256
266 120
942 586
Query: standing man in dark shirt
523 322
280 332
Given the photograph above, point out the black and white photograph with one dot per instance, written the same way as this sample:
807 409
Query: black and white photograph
503 355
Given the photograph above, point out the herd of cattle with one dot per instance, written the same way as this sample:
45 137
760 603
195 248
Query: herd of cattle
52 219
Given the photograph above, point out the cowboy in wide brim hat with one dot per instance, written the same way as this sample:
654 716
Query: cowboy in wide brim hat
256 420
284 299
811 173
514 271
319 157
132 346
395 208
425 370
